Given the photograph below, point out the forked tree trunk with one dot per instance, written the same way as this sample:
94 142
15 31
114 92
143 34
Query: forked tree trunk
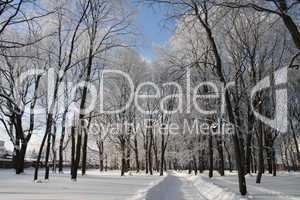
47 132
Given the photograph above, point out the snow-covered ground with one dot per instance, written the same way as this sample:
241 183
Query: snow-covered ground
286 186
174 186
105 186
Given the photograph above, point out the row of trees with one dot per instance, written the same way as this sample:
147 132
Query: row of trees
224 42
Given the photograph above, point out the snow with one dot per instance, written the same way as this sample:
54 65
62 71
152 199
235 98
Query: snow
174 186
283 187
109 186
208 189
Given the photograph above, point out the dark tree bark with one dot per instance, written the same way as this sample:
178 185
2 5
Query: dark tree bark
221 156
84 147
84 153
195 165
269 150
229 108
106 166
47 156
249 139
210 155
260 153
73 140
77 155
162 158
200 156
61 146
190 163
146 154
101 157
274 162
150 159
155 150
128 153
296 142
47 133
228 156
53 149
136 151
123 159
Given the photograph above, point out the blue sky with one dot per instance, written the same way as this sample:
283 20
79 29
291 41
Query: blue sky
155 28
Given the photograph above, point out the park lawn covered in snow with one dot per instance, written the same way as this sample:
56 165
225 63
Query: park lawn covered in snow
174 186
106 186
285 186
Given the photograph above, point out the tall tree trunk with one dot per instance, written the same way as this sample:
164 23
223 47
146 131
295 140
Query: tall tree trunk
228 157
274 162
162 158
190 166
47 132
260 154
16 157
22 155
136 151
60 150
77 155
200 161
269 147
296 142
200 156
156 160
105 168
291 151
195 165
229 108
101 157
249 139
211 155
146 159
73 149
123 159
221 156
47 157
150 159
128 153
84 153
63 131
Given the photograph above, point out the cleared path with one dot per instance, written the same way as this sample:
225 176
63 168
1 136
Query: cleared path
174 188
